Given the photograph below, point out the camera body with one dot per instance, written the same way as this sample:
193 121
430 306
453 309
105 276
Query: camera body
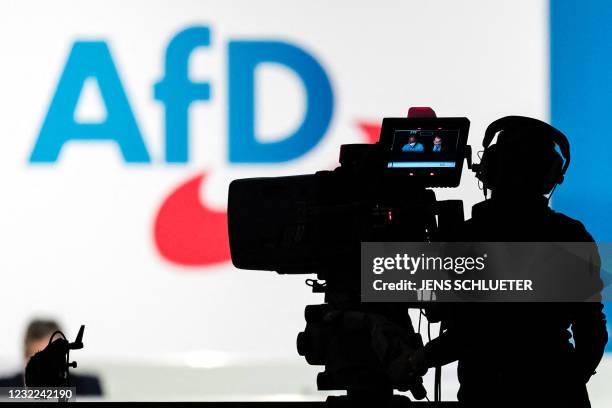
301 224
315 224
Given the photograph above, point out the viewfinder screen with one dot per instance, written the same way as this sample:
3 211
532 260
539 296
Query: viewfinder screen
424 148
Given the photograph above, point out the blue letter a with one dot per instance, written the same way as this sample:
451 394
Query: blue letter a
89 59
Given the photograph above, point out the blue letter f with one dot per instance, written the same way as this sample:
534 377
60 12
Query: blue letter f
176 91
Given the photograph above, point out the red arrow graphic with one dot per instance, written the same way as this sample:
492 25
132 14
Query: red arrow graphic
371 131
189 233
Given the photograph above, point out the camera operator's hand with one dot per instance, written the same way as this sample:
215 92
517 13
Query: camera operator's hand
399 350
409 364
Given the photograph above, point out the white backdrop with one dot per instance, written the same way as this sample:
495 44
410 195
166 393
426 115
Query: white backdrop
77 235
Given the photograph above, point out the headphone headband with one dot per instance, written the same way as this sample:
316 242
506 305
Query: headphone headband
523 123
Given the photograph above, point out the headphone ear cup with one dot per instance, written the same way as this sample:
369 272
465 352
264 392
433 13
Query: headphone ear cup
479 167
489 167
555 175
558 170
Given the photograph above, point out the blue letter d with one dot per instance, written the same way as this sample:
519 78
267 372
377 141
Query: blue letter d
244 56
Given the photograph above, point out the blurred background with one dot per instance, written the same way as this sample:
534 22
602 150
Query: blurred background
123 122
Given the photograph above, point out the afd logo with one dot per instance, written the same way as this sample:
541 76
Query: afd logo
186 231
176 92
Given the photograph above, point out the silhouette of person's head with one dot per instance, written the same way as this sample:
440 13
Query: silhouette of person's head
527 165
525 161
412 139
37 336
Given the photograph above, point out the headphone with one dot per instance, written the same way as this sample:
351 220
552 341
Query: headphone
533 134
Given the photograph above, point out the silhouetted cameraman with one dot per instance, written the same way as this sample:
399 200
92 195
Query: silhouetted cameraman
520 353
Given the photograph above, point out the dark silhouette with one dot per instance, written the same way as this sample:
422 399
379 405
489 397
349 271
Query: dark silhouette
315 224
509 354
520 353
36 338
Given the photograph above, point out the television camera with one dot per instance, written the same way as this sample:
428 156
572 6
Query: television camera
315 224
